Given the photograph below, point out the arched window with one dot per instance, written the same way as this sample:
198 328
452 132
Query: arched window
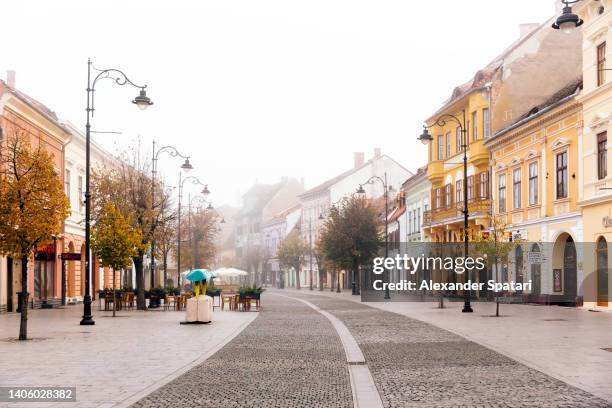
602 272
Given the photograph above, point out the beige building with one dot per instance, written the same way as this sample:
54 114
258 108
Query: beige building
534 168
595 177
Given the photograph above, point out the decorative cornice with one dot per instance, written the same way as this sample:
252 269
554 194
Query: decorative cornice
560 143
532 154
535 124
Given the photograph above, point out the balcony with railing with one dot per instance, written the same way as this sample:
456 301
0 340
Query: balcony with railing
476 206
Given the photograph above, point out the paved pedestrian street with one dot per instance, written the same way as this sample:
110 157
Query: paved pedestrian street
291 356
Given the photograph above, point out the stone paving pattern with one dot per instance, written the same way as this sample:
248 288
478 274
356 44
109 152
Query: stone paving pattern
290 356
415 364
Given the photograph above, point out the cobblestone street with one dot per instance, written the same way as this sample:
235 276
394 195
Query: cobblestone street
418 365
291 356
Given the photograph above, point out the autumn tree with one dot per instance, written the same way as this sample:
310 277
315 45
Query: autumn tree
129 186
114 240
351 236
166 236
202 226
291 253
33 207
494 246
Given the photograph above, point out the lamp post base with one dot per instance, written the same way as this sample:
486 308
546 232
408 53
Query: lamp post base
467 308
87 321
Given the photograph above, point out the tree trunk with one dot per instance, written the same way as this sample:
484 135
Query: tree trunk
321 272
141 303
114 295
165 269
23 325
297 280
356 278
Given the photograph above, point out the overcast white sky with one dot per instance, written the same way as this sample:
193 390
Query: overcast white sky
255 90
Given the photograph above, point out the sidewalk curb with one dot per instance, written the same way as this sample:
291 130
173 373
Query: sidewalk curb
179 371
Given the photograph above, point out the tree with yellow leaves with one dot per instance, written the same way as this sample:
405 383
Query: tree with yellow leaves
114 240
33 207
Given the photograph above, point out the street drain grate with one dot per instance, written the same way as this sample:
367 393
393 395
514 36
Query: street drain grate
607 349
555 320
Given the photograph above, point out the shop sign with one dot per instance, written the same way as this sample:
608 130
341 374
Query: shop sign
71 256
534 258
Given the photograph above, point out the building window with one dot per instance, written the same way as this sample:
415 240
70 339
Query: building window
486 119
418 219
484 184
601 64
533 183
561 166
438 201
67 183
602 155
458 139
474 125
448 196
516 188
448 145
440 148
81 198
459 190
502 193
470 188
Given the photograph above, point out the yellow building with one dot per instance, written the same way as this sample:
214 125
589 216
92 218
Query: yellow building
595 178
534 174
496 98
445 170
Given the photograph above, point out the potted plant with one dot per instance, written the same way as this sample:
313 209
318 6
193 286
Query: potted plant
155 296
212 291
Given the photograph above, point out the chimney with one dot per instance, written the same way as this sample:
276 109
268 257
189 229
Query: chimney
359 159
377 153
526 28
10 78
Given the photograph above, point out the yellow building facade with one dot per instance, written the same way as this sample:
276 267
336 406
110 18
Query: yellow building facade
444 221
534 179
595 196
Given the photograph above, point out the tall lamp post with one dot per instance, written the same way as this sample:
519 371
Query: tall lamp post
426 138
387 188
205 192
143 102
186 166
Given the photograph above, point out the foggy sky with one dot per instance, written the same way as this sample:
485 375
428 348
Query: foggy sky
255 90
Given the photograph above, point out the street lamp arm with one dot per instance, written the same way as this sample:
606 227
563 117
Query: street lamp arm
372 179
118 76
172 151
444 119
193 179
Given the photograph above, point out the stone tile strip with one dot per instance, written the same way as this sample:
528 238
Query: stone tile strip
365 394
146 391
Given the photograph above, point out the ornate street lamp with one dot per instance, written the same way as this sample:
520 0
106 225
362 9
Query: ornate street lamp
205 192
425 138
568 21
143 102
186 166
386 188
